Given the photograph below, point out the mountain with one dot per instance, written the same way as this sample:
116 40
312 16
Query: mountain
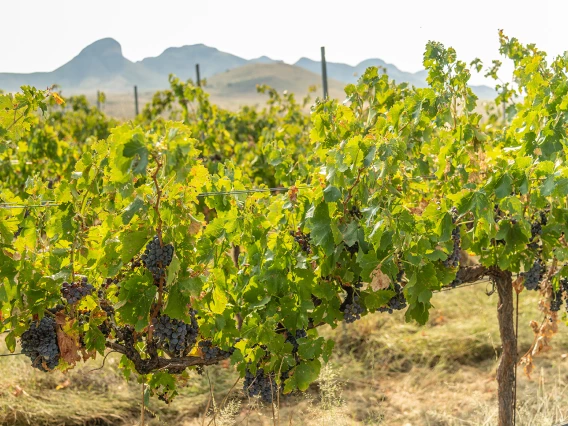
181 61
102 66
99 66
350 74
242 81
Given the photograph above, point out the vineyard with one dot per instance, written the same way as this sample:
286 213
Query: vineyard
194 239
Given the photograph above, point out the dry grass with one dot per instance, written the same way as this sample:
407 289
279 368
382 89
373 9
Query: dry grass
384 372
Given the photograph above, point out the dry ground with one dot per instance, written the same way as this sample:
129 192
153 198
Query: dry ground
384 372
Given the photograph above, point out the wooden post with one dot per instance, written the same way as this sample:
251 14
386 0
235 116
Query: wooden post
98 100
136 100
324 72
198 75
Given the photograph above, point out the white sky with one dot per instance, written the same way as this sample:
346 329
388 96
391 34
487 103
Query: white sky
41 35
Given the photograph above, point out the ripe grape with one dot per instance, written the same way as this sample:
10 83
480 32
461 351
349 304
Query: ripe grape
303 240
175 335
293 338
211 352
355 212
556 301
453 259
534 275
157 258
353 310
39 343
73 292
352 250
397 302
260 384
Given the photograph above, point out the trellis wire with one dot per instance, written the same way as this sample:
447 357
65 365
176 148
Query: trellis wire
200 195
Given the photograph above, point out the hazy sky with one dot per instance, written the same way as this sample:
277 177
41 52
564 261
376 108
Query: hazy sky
41 35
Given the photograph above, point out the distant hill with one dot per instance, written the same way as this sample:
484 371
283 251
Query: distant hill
181 61
243 80
349 74
102 66
99 66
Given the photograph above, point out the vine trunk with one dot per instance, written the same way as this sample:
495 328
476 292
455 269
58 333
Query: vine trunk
506 369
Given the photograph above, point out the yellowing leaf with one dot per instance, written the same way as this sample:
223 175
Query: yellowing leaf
58 98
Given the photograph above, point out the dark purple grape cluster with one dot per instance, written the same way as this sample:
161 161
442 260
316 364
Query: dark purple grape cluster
293 338
543 218
453 260
352 250
175 335
157 258
536 229
355 212
211 352
534 275
73 292
260 384
39 343
303 240
556 302
397 302
57 308
564 285
353 310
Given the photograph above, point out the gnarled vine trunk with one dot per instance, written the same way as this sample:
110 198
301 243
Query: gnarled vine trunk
506 369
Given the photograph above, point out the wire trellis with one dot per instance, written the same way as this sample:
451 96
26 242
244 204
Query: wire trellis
52 203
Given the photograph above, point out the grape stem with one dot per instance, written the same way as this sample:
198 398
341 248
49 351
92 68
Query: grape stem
178 364
350 190
158 199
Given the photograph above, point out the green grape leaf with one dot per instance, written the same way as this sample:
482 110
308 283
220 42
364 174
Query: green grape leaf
135 299
306 373
320 229
95 340
131 210
137 147
132 244
331 194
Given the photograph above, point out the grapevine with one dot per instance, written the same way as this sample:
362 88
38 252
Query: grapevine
384 194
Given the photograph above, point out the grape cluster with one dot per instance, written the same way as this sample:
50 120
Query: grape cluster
534 275
303 240
536 229
293 338
39 343
353 310
355 212
564 284
453 259
106 326
260 384
397 302
211 352
157 258
556 302
352 250
175 335
558 296
57 308
73 292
